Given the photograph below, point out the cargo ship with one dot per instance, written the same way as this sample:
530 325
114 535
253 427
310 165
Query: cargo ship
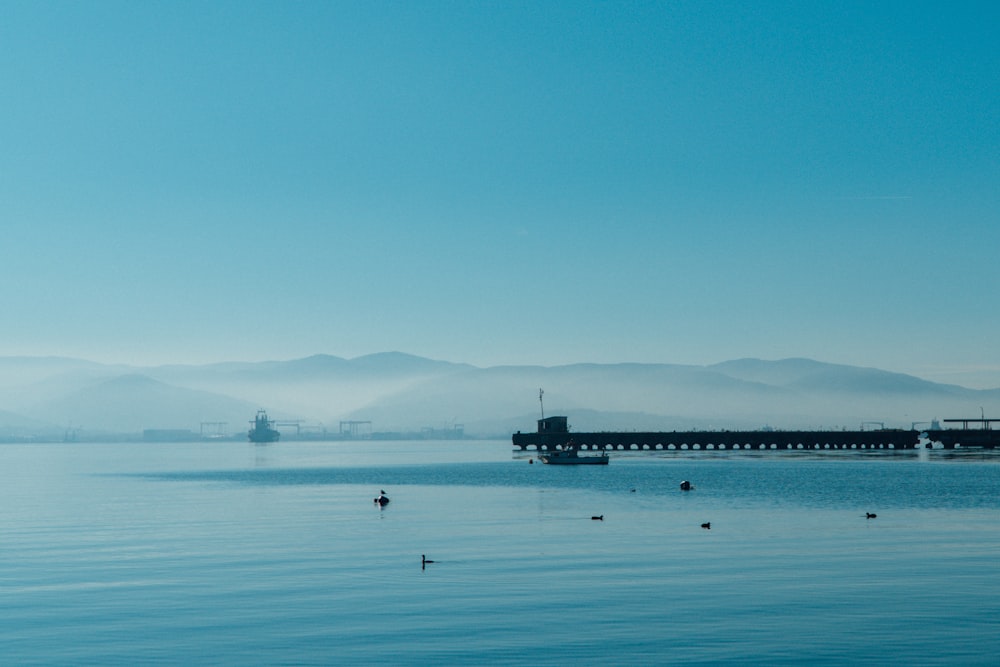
553 434
262 429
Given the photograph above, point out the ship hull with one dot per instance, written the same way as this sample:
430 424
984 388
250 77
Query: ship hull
261 431
556 459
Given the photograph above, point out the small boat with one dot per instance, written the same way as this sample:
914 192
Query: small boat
571 457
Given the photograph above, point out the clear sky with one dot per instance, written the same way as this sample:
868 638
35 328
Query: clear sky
502 182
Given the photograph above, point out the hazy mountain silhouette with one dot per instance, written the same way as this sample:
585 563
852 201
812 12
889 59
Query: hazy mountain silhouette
806 374
802 394
401 392
132 403
320 388
18 426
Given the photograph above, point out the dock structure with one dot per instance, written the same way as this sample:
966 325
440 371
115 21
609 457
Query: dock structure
985 436
553 434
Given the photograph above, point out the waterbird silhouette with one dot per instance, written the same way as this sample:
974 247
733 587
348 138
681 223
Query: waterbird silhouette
597 518
381 499
686 486
869 515
707 526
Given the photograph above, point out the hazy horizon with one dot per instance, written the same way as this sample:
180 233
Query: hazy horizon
503 184
981 380
392 392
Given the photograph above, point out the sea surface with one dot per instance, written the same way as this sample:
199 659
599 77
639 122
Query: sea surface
228 553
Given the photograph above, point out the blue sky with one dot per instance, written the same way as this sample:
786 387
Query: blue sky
503 182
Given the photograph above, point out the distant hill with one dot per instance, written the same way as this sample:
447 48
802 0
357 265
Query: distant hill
18 427
132 403
806 374
401 392
626 396
320 388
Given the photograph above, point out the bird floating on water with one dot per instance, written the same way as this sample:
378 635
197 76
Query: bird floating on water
707 526
597 518
381 499
870 515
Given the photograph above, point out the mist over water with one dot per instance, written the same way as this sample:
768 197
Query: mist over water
230 553
52 399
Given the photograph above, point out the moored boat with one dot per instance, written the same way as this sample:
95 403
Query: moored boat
571 457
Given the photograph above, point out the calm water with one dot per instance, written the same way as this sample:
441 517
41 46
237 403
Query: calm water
237 554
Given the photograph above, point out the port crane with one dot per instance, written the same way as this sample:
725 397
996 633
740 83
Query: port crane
297 423
215 429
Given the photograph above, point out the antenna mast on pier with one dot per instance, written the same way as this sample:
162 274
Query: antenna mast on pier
540 403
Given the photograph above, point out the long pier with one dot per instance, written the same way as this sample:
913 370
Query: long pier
720 440
554 434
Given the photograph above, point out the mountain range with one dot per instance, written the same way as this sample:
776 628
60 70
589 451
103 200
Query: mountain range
49 397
